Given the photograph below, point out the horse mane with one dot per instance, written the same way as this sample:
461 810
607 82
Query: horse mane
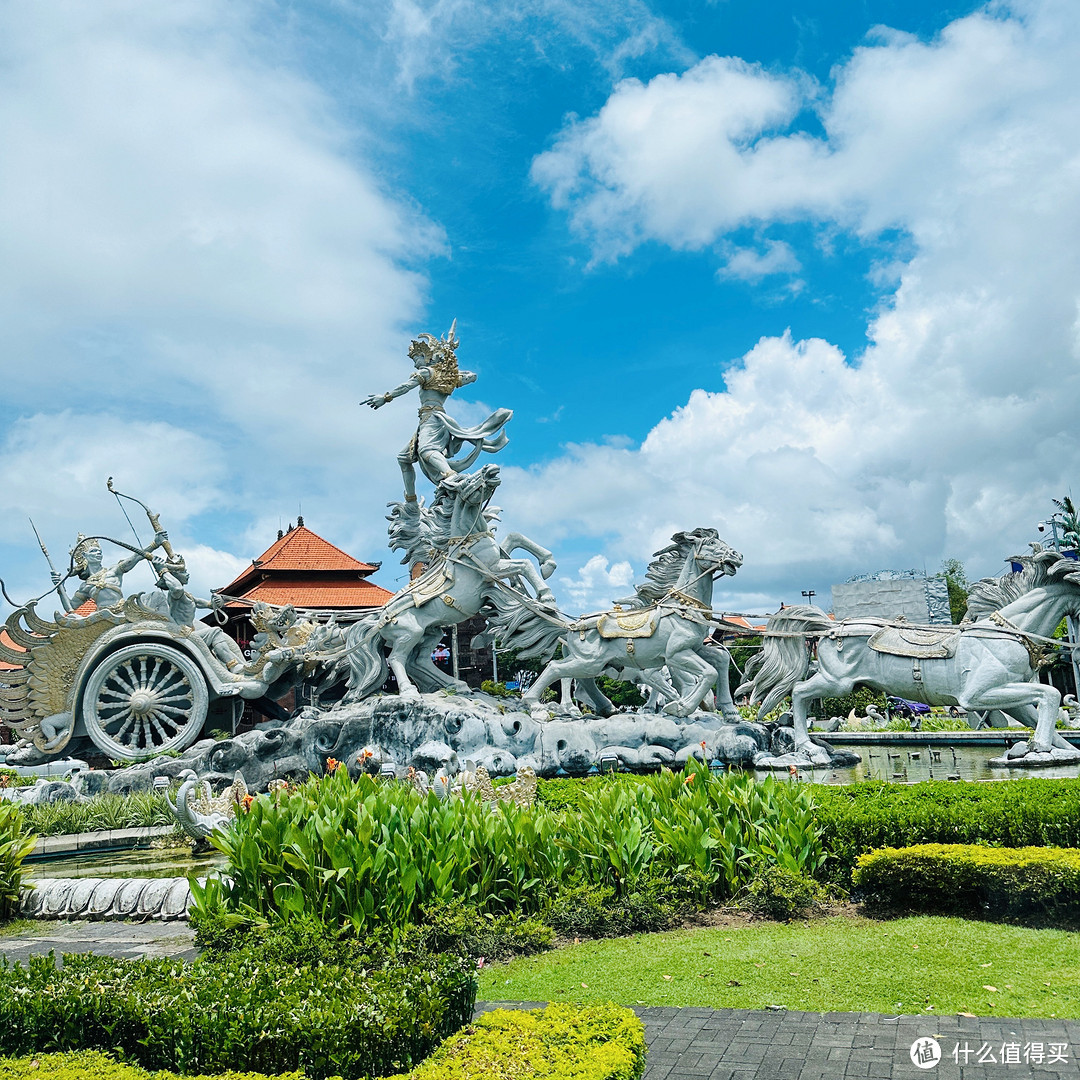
422 532
1038 569
667 565
412 528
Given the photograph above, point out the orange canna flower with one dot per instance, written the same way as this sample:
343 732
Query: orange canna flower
332 764
247 801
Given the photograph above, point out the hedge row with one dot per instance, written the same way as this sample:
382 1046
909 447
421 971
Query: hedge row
561 1042
94 1065
967 879
238 1011
1021 813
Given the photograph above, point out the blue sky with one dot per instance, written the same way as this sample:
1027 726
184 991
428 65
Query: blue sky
806 273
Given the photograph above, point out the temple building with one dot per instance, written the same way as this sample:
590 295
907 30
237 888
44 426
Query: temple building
302 569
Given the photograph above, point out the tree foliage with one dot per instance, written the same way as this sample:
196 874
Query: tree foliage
959 587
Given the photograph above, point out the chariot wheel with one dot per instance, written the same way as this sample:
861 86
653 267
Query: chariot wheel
144 700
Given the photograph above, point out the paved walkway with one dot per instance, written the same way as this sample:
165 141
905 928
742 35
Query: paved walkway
747 1044
717 1044
124 939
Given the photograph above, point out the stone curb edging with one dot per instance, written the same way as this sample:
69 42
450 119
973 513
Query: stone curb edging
105 839
165 899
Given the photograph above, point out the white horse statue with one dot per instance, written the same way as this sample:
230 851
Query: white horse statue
665 624
463 565
989 663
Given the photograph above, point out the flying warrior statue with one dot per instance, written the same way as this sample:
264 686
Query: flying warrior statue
438 436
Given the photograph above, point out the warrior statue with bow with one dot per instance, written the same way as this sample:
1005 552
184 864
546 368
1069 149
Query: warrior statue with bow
438 436
97 582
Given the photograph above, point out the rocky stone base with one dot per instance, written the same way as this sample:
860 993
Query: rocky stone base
444 732
1018 756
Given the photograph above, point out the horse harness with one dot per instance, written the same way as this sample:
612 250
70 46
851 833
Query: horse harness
919 643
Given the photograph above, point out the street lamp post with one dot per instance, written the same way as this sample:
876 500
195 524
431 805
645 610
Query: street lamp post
809 594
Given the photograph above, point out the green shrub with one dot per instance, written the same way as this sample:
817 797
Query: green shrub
497 689
87 1064
965 879
862 817
858 699
595 911
561 794
783 894
15 844
238 1011
561 1042
620 693
460 929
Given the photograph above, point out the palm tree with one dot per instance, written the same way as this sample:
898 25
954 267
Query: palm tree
1070 522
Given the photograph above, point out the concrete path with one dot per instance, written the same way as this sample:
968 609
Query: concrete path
716 1044
124 939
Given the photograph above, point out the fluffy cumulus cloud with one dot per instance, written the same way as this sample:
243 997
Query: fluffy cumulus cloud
55 466
951 431
595 579
193 243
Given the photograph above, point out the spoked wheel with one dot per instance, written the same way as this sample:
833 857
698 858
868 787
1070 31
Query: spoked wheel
144 700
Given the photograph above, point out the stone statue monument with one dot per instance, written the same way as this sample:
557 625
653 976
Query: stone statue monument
987 662
438 436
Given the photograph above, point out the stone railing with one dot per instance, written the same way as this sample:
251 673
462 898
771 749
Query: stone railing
166 899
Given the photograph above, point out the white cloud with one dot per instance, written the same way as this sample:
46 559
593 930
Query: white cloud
430 37
748 264
55 466
193 244
595 586
949 434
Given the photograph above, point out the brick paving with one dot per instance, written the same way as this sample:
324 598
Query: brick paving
712 1044
747 1044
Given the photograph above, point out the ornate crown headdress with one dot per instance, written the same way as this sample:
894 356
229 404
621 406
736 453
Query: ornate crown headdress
439 354
78 554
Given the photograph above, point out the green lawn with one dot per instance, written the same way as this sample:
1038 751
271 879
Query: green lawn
848 964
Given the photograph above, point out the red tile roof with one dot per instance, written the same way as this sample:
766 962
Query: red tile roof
299 551
743 624
316 594
302 549
5 640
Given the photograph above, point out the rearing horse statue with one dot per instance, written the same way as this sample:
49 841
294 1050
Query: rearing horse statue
665 625
464 565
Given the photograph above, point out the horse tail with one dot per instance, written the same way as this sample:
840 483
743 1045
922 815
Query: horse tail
784 657
532 633
367 664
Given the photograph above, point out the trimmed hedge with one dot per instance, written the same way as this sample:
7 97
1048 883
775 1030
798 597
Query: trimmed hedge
561 1042
968 879
84 1064
1021 813
239 1011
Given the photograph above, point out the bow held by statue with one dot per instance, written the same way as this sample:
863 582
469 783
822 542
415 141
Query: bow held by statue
154 519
